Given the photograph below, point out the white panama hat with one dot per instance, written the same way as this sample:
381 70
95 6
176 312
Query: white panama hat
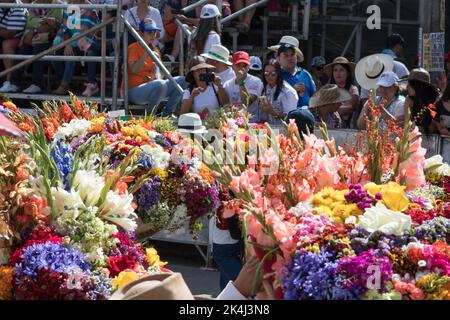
369 69
218 53
190 123
289 41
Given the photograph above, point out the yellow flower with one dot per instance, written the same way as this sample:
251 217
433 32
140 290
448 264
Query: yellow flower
124 278
163 174
393 195
153 259
100 121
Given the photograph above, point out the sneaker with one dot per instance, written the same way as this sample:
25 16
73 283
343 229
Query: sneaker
91 89
8 87
169 58
32 89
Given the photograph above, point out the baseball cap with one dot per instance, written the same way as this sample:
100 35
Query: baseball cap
241 57
148 25
255 63
209 11
387 79
318 61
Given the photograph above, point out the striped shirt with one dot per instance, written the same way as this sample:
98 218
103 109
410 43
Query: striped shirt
74 24
13 18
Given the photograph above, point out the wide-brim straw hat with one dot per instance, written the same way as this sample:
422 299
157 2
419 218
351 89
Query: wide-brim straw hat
197 63
369 69
329 94
340 60
164 286
292 42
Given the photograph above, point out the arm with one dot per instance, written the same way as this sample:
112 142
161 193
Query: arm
442 128
223 96
186 105
137 65
361 123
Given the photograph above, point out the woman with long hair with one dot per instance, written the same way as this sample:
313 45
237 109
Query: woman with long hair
421 94
342 73
278 98
207 33
442 118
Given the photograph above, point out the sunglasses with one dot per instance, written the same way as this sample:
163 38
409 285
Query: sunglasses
271 74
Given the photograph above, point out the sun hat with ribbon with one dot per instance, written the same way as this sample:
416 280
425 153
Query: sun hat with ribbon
190 123
339 60
329 94
197 62
218 53
370 68
289 42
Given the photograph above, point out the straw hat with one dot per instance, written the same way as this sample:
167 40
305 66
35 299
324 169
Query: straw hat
165 286
370 68
420 75
190 123
198 62
218 53
339 60
329 94
289 42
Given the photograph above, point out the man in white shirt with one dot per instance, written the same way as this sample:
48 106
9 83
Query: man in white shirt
245 88
219 57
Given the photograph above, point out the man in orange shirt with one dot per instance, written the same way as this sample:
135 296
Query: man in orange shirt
144 84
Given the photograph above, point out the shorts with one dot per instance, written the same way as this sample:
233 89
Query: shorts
14 43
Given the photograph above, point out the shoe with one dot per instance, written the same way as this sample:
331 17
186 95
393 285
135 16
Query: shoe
9 87
91 89
32 89
62 89
169 58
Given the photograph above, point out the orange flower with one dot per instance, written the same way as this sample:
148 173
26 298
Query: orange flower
22 173
11 106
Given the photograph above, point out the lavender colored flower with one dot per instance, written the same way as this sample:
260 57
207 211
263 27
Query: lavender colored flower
52 256
434 230
102 285
163 141
62 154
313 276
145 161
360 197
149 194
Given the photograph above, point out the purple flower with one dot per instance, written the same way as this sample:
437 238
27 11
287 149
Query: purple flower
52 256
163 141
62 154
149 194
313 276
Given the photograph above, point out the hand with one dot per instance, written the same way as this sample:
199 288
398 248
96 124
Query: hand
180 17
300 88
244 281
44 27
265 105
196 92
218 81
50 21
240 75
68 50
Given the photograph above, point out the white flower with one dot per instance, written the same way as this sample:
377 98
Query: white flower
351 220
178 218
380 218
160 158
301 208
412 245
152 134
436 165
75 128
422 263
89 185
66 204
119 210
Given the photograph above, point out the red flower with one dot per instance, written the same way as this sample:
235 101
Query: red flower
118 264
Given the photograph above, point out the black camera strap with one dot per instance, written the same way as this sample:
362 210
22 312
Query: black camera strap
215 93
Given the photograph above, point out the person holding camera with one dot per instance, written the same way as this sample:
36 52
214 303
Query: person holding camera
205 92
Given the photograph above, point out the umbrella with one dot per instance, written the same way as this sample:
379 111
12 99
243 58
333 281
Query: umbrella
7 128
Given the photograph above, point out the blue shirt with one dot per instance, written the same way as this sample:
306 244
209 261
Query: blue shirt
390 53
301 75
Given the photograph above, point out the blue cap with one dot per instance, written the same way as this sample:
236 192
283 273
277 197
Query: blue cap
148 25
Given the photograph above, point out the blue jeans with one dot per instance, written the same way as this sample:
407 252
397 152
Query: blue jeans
228 259
38 66
67 68
153 92
94 51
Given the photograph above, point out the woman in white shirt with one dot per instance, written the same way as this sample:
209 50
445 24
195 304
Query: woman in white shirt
205 93
141 11
278 98
207 33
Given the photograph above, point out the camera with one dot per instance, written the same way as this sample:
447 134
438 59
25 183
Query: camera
207 77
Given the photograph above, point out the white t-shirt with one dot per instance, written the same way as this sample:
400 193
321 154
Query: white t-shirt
227 75
220 236
206 99
286 101
399 69
132 17
213 38
254 87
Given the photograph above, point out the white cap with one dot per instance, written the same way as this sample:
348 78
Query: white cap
255 63
209 11
387 79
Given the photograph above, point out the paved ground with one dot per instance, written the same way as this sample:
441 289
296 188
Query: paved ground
188 261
